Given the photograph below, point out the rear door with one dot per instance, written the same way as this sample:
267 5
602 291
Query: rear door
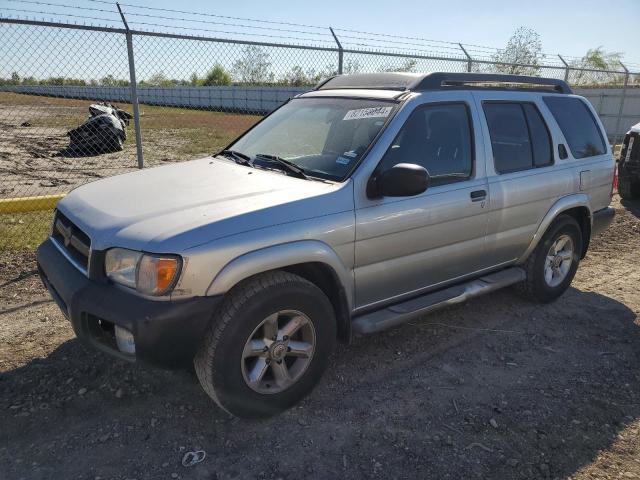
524 175
405 245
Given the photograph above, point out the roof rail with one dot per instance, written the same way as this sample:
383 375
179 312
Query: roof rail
442 81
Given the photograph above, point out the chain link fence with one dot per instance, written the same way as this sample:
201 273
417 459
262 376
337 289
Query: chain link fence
180 97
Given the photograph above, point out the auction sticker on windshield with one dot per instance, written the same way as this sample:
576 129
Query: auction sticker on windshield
374 112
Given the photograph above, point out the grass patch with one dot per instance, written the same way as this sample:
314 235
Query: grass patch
24 231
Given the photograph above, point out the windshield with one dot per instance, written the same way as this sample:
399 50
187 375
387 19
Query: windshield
325 137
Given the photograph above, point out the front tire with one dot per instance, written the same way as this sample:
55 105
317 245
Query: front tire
552 265
268 345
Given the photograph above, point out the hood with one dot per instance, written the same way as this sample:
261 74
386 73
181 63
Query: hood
178 206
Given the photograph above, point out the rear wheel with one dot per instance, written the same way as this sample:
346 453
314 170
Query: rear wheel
552 265
268 346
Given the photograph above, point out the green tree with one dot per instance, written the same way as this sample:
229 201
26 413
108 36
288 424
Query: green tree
111 81
597 59
216 76
523 48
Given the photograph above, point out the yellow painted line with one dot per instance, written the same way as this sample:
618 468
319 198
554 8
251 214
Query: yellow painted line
29 204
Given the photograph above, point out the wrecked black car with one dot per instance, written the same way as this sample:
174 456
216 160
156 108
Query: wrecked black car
629 165
103 132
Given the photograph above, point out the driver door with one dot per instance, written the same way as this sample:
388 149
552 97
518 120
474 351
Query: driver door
407 245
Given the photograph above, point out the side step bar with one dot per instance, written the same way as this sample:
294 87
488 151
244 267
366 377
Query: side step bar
402 312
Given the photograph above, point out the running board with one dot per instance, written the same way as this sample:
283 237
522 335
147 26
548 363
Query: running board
402 312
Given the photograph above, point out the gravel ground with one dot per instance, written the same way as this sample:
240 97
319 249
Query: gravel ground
34 155
495 388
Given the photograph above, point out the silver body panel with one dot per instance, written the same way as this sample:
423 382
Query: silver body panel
230 222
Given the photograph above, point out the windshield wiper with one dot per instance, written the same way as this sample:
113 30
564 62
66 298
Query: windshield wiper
285 164
238 157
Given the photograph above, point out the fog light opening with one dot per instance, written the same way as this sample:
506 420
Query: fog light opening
125 340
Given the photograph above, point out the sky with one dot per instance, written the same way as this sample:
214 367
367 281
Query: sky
568 27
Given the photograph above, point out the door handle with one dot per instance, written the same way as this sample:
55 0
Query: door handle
478 195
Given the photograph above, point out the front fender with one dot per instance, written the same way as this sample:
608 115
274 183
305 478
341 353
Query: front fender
562 205
279 256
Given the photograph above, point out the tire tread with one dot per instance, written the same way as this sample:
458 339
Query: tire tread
234 300
528 288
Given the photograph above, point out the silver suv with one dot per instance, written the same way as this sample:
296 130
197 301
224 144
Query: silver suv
371 200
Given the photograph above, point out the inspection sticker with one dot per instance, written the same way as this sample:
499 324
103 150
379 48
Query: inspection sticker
373 112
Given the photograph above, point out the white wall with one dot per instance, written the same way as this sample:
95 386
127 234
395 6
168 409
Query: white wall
246 99
265 99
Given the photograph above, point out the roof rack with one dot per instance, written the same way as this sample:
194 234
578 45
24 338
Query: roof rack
444 81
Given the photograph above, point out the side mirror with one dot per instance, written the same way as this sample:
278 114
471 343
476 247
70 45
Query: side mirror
401 180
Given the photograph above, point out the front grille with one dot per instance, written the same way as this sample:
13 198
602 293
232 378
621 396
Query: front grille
75 243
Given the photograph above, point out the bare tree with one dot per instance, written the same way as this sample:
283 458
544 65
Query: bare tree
524 48
254 67
408 65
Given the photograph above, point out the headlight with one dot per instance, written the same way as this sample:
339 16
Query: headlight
148 273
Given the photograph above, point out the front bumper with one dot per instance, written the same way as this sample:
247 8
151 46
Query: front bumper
601 220
167 333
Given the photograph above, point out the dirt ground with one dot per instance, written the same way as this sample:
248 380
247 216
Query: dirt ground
496 388
34 159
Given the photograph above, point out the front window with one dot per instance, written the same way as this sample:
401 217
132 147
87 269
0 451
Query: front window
439 138
325 137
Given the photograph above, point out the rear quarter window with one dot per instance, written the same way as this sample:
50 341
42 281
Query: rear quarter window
578 126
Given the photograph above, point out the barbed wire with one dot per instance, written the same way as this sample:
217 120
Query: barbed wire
59 14
302 33
287 37
208 14
62 5
131 14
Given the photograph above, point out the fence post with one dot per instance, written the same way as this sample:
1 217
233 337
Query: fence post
134 90
340 51
622 99
566 68
469 59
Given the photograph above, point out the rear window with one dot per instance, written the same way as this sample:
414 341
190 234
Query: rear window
519 137
578 126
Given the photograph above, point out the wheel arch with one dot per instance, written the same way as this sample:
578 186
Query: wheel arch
577 206
310 259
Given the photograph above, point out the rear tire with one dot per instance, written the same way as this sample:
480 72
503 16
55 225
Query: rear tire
243 368
552 265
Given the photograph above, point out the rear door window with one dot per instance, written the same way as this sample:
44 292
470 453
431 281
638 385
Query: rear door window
520 139
578 126
540 139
